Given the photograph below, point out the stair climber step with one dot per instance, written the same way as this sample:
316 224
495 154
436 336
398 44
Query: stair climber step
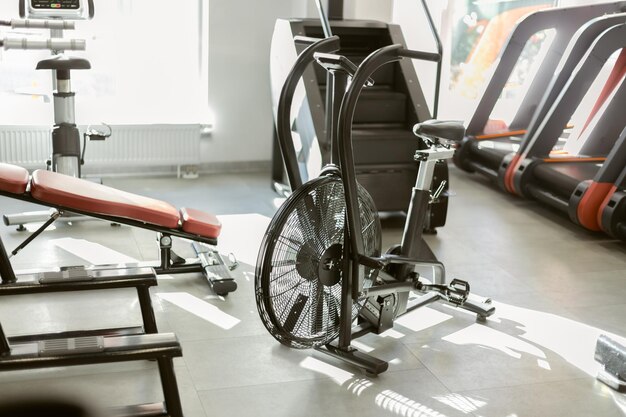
379 180
383 145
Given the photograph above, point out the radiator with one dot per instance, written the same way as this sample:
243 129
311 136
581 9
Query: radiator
128 146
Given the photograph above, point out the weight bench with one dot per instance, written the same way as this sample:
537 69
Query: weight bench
162 348
74 195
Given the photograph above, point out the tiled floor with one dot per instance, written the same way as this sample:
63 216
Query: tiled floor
555 286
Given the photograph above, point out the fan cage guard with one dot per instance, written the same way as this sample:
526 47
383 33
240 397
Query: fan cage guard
295 307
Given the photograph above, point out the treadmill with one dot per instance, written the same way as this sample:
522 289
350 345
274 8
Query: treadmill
612 212
576 28
564 182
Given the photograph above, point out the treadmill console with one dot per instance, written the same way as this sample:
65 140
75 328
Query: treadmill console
56 9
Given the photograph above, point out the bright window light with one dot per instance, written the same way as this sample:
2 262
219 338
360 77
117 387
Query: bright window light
149 65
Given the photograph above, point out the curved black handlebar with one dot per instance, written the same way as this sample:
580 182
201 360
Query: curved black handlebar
376 59
283 113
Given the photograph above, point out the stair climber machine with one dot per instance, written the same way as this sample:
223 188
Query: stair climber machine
383 141
320 268
57 16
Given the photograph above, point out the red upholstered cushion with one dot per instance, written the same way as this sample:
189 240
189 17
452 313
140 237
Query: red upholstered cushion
200 223
13 179
79 194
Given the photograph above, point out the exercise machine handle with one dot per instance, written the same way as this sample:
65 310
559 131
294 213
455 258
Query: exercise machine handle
283 112
51 44
39 24
423 56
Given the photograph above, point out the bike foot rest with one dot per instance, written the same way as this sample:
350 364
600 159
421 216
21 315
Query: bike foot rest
215 270
612 355
72 346
379 313
458 291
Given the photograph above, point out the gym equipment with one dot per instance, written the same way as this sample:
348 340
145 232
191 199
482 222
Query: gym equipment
491 153
612 355
385 114
76 351
67 157
320 265
558 181
612 211
66 193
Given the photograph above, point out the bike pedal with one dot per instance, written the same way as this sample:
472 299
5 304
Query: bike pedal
459 291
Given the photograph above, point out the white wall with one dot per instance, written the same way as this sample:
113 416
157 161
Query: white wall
409 14
239 93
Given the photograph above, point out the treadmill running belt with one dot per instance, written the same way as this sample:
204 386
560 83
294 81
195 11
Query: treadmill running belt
563 177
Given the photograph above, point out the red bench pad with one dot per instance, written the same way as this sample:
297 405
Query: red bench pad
200 223
13 179
75 193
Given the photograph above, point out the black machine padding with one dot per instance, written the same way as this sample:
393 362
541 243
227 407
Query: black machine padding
564 177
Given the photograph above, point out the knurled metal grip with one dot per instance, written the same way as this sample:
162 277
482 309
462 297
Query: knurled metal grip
51 44
42 24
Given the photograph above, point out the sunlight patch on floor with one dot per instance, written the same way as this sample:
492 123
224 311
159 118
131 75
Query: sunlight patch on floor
200 308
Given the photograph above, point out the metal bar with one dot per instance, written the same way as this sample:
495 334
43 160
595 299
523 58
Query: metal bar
7 275
5 348
55 215
324 19
435 33
375 60
283 113
147 313
170 388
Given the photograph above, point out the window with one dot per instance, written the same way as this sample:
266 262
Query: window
149 63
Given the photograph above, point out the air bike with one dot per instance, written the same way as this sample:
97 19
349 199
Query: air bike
321 277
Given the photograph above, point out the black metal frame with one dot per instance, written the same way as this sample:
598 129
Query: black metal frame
402 280
169 262
160 347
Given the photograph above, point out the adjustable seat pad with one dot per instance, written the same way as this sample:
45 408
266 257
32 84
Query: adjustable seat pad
75 193
200 223
13 179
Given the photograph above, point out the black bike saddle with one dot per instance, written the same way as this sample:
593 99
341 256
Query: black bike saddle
444 129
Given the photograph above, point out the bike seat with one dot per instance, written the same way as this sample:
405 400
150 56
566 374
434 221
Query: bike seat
62 62
443 129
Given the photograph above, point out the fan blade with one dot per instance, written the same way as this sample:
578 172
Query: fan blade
294 314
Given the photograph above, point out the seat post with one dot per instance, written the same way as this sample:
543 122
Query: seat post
7 275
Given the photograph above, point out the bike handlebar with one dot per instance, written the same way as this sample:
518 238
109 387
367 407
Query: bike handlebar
38 44
39 24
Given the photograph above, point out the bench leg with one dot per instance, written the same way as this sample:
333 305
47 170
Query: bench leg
170 387
147 313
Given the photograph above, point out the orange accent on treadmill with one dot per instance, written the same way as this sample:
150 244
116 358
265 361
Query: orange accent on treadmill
520 132
590 203
510 172
605 203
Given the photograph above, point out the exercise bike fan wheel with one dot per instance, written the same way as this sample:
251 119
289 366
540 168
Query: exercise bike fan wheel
300 263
